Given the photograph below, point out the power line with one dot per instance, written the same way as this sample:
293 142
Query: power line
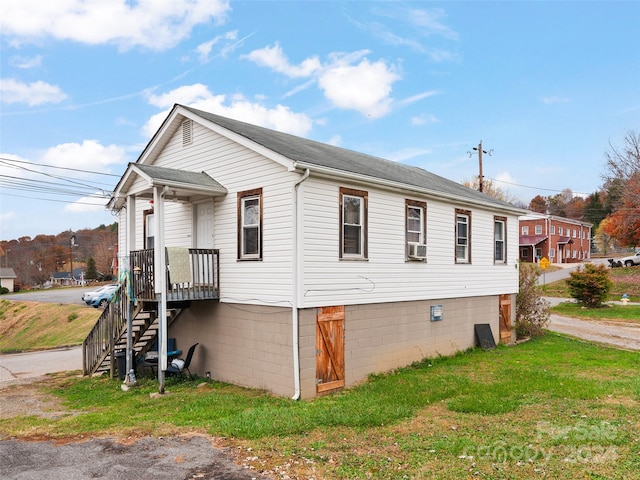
59 168
52 176
538 188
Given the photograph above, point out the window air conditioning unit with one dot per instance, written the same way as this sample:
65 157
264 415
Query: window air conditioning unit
417 250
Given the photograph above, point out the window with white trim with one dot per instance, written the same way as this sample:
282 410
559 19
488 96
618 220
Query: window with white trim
560 230
552 253
538 229
525 230
149 229
463 236
353 224
250 225
500 239
416 232
552 229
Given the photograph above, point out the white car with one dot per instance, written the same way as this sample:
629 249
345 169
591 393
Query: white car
90 297
631 260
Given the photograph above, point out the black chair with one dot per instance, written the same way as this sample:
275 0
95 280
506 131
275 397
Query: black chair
177 369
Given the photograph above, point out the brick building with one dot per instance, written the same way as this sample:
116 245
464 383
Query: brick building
561 240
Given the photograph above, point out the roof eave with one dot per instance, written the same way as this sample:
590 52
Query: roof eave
332 173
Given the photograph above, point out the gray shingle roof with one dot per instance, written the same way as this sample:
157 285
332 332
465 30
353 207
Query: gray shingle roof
171 175
313 153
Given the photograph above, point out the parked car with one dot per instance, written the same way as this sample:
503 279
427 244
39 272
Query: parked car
631 260
100 297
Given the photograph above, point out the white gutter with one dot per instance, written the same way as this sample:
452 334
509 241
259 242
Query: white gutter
389 184
295 320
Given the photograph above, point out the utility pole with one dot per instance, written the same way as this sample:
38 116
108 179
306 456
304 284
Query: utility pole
71 245
480 152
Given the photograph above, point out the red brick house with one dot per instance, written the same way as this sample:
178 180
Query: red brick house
561 240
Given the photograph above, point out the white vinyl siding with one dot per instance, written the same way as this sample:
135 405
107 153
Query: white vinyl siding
238 169
387 276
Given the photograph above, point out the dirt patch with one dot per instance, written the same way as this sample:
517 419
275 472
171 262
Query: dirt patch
26 397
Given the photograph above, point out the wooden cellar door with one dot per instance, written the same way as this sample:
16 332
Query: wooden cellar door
505 318
329 349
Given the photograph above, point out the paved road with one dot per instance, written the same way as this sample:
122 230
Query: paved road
52 295
565 270
24 366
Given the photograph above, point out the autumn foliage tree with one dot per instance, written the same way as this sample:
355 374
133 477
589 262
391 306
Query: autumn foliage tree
623 182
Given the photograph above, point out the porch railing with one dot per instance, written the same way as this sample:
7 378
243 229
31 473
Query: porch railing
203 282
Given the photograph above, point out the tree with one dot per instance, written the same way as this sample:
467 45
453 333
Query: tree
557 205
489 188
602 238
594 211
532 311
538 204
575 208
91 273
623 182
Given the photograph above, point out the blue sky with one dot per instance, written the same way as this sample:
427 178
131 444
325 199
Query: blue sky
84 84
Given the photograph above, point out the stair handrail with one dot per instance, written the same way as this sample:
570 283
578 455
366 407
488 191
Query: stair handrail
101 340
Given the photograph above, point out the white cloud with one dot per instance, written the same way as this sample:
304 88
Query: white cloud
90 203
148 23
365 87
204 49
25 62
6 217
430 22
423 119
36 93
336 140
89 155
350 81
407 154
198 96
275 59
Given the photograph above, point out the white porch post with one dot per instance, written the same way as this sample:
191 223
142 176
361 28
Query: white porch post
160 282
126 267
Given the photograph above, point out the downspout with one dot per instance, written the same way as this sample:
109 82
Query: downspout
295 320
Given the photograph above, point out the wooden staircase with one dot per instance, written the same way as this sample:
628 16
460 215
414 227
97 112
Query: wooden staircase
109 334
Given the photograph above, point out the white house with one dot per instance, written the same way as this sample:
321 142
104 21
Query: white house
306 266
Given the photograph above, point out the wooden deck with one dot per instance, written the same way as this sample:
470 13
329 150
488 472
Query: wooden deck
203 284
199 280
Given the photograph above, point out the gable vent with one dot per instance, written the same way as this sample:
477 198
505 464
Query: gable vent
187 132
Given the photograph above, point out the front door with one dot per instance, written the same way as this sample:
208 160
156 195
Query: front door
505 318
204 225
329 349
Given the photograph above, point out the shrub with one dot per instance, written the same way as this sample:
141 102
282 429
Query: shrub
590 285
532 311
3 290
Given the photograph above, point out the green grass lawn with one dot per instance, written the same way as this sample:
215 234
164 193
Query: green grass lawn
627 313
552 407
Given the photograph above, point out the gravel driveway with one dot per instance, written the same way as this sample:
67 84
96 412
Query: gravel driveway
618 334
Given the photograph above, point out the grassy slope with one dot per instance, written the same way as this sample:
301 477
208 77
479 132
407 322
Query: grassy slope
36 326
